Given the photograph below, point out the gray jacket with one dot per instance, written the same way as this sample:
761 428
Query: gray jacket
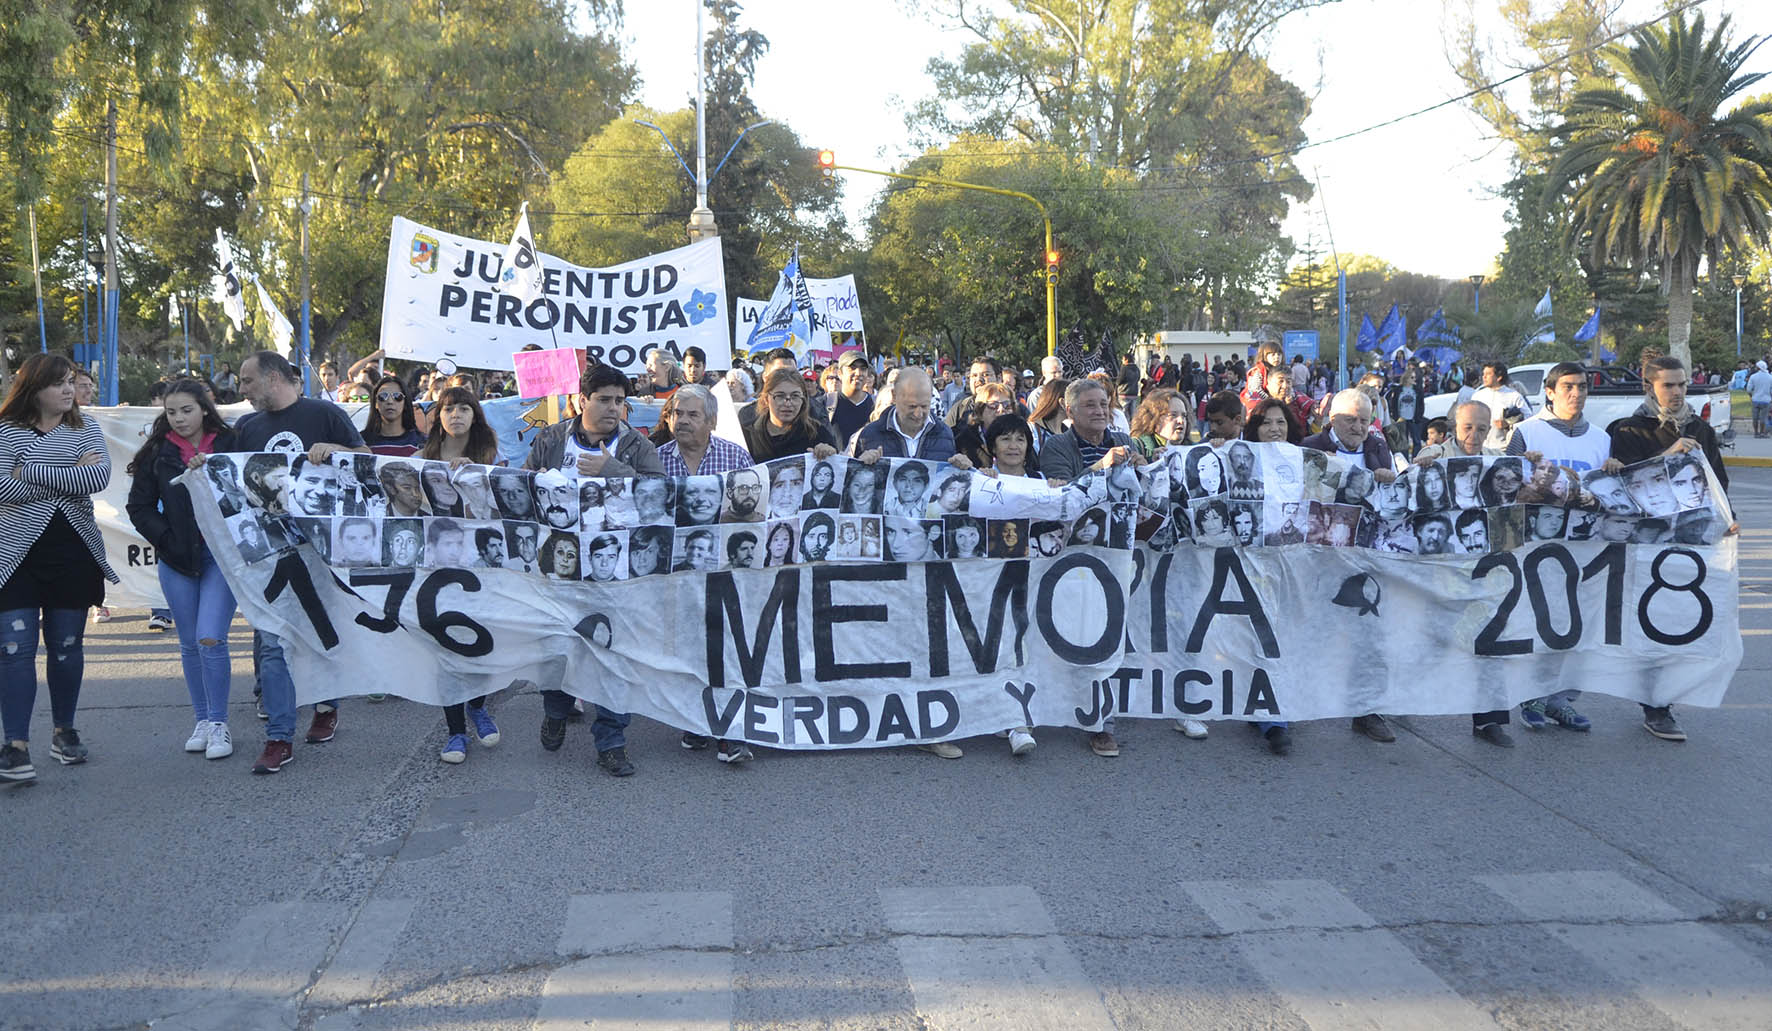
1060 459
634 455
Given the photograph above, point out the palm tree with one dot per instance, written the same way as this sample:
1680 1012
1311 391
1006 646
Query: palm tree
1656 175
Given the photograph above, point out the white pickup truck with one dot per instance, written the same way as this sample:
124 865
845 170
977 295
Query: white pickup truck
1613 393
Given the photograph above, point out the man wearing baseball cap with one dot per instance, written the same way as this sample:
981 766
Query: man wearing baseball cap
855 406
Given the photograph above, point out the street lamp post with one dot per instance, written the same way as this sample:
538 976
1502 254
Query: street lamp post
1050 255
1477 293
701 228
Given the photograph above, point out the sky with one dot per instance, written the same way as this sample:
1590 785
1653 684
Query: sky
1419 194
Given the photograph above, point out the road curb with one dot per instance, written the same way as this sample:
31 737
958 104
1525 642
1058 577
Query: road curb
1747 460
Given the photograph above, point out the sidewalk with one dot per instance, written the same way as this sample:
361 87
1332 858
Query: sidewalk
1747 451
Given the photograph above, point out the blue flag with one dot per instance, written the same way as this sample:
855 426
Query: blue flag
1368 338
1437 330
1392 333
1590 328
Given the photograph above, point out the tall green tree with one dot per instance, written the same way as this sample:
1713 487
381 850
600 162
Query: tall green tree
1174 93
1657 173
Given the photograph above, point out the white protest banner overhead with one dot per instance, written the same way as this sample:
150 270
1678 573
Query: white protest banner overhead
444 299
809 604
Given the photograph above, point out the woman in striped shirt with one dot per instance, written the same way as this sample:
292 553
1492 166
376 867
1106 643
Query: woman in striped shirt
52 558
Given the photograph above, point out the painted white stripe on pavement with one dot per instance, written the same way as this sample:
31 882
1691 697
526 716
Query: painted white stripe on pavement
648 971
983 958
1329 962
350 977
1693 974
255 971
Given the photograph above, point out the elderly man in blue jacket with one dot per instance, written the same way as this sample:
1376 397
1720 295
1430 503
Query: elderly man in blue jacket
906 430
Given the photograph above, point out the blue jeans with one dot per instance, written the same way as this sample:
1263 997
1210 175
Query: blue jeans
202 607
608 729
63 632
277 686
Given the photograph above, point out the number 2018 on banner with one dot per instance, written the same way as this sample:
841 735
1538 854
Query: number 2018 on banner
1676 570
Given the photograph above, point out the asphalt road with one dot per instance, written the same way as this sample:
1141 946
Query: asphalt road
1607 880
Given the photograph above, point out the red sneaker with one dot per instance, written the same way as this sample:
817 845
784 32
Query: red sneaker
324 726
277 754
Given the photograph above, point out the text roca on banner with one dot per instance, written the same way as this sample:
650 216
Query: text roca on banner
442 301
828 603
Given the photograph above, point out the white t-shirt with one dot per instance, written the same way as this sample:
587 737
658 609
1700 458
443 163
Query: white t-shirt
1499 400
1587 451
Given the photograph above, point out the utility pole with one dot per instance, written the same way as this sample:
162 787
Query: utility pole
701 220
111 305
307 343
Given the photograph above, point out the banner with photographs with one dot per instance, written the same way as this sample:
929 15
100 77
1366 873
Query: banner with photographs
442 300
794 602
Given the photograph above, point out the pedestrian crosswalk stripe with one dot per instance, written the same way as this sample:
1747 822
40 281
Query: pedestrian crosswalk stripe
1329 961
1694 975
256 971
350 977
985 958
653 960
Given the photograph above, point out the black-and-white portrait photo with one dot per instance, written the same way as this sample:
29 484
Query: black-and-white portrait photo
356 541
822 485
446 544
745 500
313 487
743 546
605 556
696 550
818 532
863 487
1008 538
965 536
649 549
523 546
266 479
402 541
908 486
698 500
440 489
511 489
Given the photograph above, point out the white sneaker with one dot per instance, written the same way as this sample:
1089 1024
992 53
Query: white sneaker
221 743
1191 728
199 739
101 615
945 749
1021 741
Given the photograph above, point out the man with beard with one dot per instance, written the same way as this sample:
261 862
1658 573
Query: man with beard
1048 537
741 550
1433 534
816 534
489 542
744 497
559 499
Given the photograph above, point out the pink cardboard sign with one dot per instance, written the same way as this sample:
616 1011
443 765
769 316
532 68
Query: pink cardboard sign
546 373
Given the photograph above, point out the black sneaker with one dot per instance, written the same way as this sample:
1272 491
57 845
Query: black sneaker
1279 740
1660 722
735 752
553 733
15 765
1495 734
65 747
616 762
695 742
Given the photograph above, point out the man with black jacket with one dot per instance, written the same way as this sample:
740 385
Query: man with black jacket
1665 425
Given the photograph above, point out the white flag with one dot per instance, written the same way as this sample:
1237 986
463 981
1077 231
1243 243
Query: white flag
1547 333
521 277
227 284
172 312
281 331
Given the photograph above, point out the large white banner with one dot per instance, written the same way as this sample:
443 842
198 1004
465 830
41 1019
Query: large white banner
442 300
814 604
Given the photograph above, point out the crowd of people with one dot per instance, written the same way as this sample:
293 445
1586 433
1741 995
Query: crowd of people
1048 426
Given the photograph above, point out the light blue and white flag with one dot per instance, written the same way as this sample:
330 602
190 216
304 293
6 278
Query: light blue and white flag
1547 332
786 321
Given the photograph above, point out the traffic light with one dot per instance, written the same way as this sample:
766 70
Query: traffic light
1051 266
827 164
